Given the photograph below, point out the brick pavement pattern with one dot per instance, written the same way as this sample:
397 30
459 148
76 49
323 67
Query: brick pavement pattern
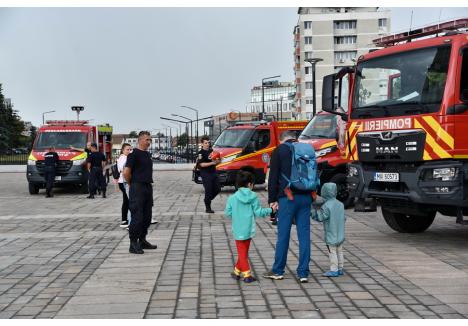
67 257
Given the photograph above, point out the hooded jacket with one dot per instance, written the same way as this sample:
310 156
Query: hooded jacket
243 206
332 215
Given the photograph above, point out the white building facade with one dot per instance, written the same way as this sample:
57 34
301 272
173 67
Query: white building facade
338 36
277 97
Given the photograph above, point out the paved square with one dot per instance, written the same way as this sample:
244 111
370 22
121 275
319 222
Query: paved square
67 257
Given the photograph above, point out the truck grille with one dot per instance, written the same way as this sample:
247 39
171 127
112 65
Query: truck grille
62 167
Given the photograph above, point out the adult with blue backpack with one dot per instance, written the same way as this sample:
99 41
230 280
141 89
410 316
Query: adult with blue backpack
292 182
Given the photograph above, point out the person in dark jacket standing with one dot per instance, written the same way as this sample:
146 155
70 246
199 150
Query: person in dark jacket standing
51 159
297 207
96 162
138 173
208 173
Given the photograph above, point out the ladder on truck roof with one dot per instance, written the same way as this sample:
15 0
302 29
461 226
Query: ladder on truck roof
452 25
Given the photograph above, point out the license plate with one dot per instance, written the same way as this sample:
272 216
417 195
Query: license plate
58 178
386 177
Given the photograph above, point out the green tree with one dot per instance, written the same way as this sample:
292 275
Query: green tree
182 140
11 125
133 134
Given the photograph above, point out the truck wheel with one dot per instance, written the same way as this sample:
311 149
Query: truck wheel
342 193
33 189
408 223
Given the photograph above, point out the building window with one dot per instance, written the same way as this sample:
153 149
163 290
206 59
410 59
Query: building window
309 102
308 85
345 24
345 55
308 40
345 39
308 55
383 22
307 25
307 70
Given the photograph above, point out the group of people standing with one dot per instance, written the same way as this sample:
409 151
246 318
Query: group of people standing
294 207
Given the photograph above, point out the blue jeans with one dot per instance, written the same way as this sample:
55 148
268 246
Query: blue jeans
300 209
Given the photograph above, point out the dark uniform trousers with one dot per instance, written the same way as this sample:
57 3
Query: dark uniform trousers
49 176
211 185
141 206
96 180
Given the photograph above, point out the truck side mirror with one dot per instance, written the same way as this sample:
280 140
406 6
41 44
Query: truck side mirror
328 94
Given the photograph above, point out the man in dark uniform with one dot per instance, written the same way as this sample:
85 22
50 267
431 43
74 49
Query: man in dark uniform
208 174
139 175
51 159
96 162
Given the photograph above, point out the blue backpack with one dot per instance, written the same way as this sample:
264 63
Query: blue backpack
303 167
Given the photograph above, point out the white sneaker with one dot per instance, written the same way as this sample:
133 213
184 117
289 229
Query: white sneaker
124 224
153 221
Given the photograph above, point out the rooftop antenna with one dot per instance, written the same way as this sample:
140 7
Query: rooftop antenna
410 25
438 22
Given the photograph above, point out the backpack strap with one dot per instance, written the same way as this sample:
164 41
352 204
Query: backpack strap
291 147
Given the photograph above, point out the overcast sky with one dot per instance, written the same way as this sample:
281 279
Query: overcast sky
129 66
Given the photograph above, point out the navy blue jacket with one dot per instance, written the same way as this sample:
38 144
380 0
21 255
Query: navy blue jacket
280 163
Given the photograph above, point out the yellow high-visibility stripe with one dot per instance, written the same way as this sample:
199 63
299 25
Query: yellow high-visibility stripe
329 144
426 156
440 132
431 142
460 156
270 149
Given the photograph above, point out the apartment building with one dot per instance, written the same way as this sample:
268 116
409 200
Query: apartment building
336 35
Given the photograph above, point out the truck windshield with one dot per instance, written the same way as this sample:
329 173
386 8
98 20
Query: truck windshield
405 83
236 138
57 139
321 126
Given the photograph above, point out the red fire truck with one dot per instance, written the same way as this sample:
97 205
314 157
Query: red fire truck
325 132
69 139
248 146
406 124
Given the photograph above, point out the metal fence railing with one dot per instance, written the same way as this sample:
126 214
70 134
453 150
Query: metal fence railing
13 158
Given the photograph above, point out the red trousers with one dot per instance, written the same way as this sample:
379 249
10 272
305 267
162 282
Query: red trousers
242 265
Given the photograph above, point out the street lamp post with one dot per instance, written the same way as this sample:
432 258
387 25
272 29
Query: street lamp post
44 113
196 114
263 93
186 130
191 132
313 62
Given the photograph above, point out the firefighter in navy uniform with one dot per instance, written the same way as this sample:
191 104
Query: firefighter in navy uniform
96 162
51 159
208 173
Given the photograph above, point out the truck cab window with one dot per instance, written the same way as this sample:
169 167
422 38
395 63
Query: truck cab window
464 77
261 139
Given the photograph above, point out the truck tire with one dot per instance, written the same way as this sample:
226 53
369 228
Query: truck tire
408 223
342 193
33 189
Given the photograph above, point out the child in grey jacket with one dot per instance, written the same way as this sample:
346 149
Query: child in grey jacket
331 213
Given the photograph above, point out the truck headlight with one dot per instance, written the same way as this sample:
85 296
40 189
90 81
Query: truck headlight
325 151
79 162
445 174
31 162
352 171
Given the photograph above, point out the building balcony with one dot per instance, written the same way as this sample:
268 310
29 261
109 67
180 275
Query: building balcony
341 32
297 66
345 47
297 37
297 51
298 80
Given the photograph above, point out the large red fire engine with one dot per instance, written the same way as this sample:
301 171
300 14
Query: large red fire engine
406 124
69 139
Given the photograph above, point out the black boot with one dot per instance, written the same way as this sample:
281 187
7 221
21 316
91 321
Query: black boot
103 194
90 197
135 247
208 208
146 245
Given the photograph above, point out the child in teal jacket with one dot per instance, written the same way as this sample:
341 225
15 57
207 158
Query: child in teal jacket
332 215
243 207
